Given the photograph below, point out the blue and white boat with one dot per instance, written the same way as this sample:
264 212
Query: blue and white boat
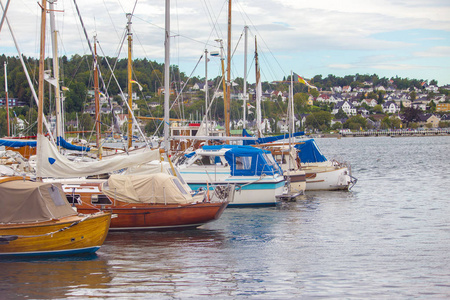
256 174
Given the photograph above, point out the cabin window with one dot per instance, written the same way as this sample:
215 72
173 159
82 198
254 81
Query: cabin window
243 163
203 161
176 133
179 186
56 196
73 199
100 199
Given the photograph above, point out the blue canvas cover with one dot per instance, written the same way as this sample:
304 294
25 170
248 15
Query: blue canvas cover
32 143
268 139
248 161
63 143
17 143
310 152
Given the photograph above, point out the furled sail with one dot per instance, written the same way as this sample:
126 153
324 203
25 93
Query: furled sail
50 163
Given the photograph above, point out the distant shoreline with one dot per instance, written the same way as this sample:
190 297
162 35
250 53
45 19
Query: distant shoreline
383 134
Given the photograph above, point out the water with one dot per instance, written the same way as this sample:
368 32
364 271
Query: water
388 237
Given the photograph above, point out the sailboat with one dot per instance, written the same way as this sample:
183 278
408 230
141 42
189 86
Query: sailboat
146 202
35 218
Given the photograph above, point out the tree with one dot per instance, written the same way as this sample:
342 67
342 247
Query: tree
378 108
75 97
356 123
413 95
340 114
317 119
86 122
411 114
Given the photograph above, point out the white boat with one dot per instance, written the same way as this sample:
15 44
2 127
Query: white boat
257 176
322 174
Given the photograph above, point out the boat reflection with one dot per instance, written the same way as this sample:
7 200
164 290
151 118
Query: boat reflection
52 278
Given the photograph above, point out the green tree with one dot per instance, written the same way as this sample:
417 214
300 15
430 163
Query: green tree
318 119
378 108
340 114
356 123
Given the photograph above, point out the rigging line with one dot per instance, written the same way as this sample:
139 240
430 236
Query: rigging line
112 22
129 108
172 34
262 39
119 50
181 91
5 10
214 21
151 64
190 76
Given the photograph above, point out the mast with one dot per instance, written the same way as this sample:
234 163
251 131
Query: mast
41 69
55 83
258 92
224 84
130 89
227 98
166 77
206 92
97 97
245 76
291 118
41 82
6 98
27 75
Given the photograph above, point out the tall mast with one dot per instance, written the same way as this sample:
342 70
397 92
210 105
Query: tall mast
245 75
130 89
41 69
54 37
291 119
166 77
227 98
97 97
41 84
6 98
206 92
258 89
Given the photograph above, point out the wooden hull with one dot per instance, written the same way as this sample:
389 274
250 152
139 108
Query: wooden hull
160 217
25 151
68 236
147 216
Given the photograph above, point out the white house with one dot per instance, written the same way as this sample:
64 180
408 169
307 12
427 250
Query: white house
346 106
390 107
370 102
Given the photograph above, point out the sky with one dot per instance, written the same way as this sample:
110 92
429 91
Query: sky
404 38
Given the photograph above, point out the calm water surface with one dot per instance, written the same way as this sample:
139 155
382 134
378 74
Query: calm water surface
388 237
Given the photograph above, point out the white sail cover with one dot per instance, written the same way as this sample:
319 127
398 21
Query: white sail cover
157 188
50 163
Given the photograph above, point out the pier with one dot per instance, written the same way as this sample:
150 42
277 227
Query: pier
396 133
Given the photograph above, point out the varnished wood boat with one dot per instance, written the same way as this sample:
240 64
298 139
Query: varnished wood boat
36 220
148 202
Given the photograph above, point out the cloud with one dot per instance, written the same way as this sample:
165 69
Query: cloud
442 51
